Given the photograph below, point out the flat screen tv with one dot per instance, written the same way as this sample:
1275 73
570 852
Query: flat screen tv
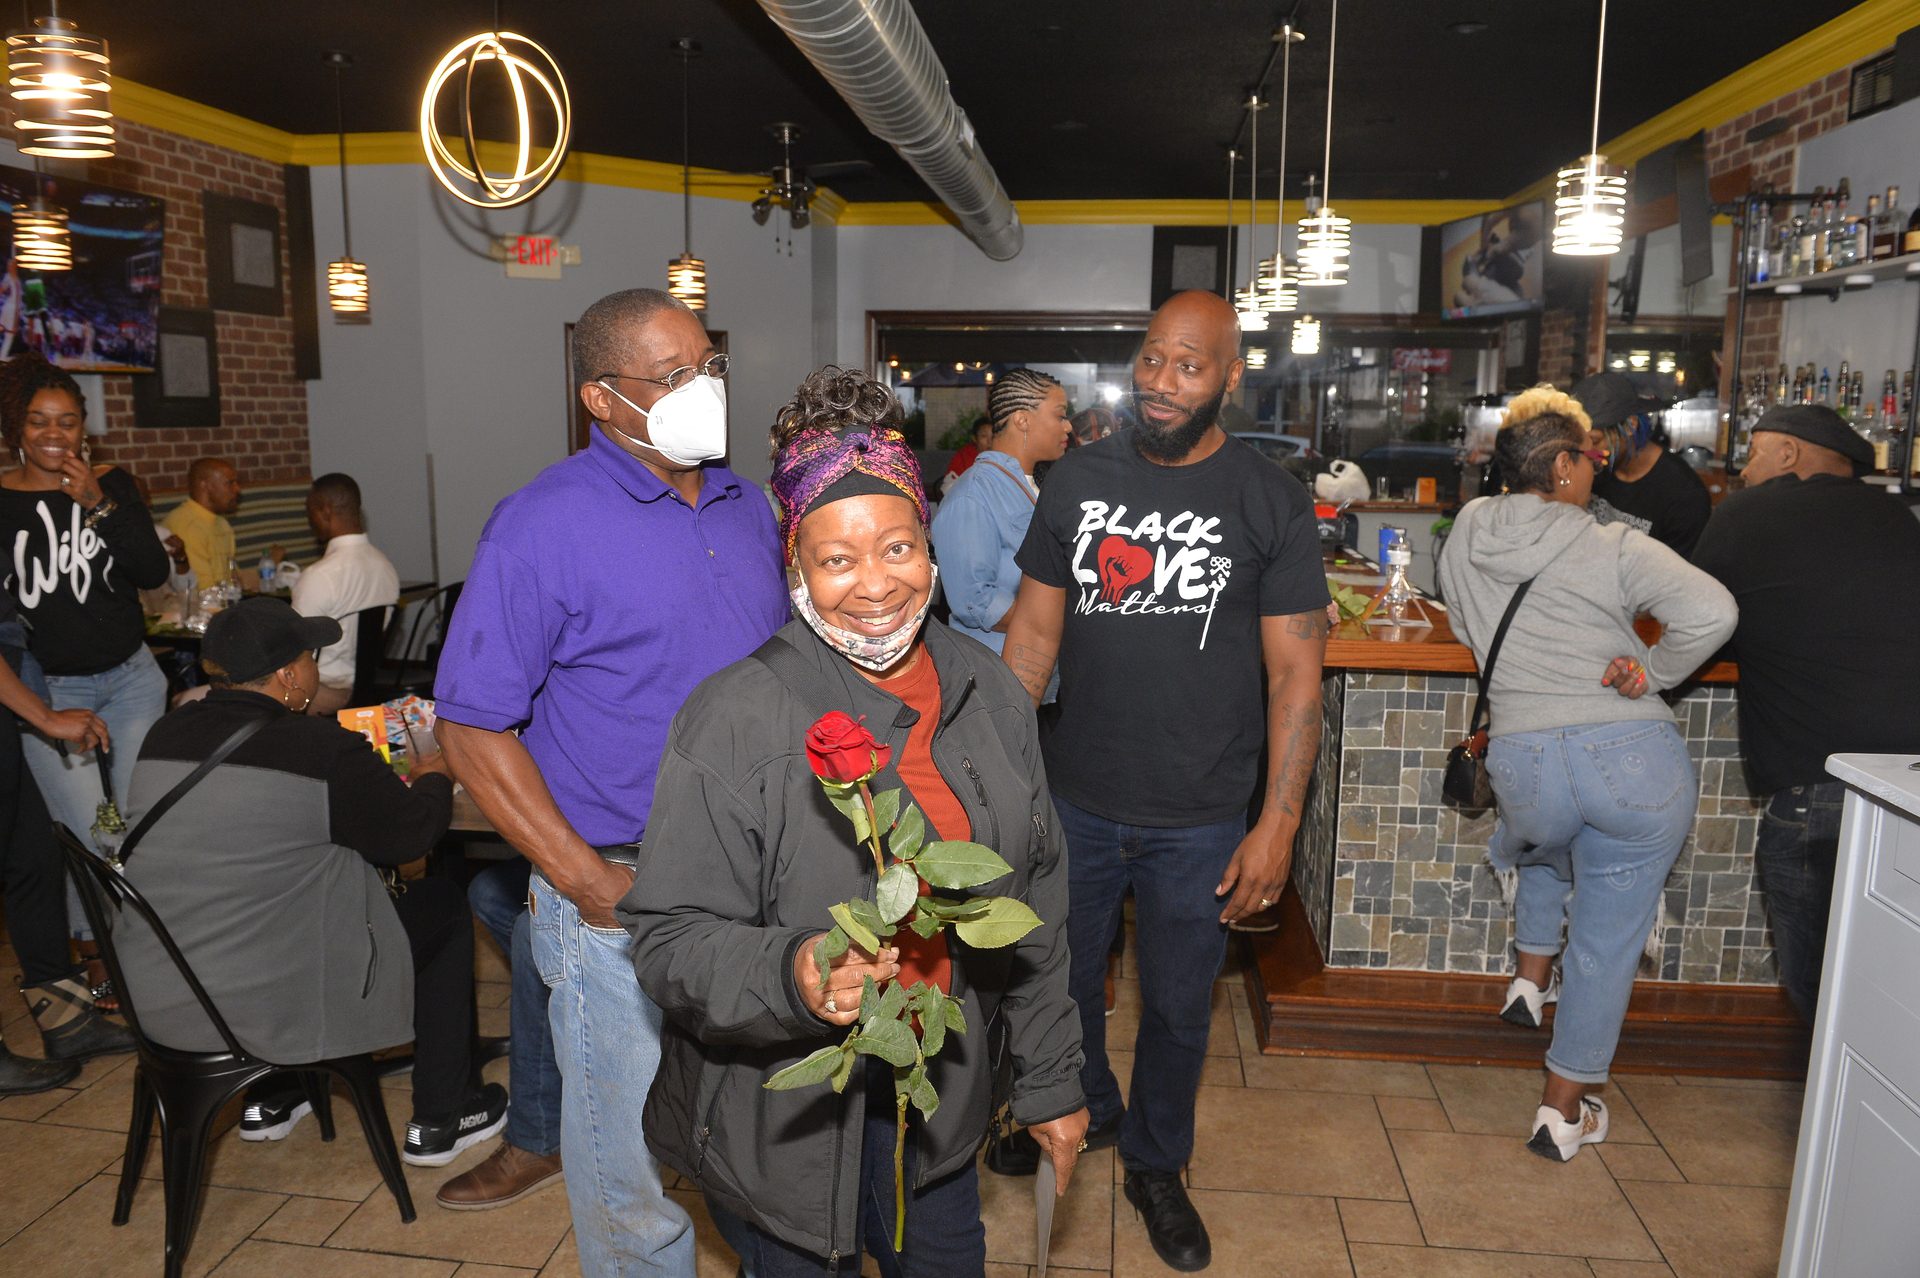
1494 263
103 315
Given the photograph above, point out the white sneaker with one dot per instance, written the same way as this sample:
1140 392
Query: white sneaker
1556 1138
1525 1000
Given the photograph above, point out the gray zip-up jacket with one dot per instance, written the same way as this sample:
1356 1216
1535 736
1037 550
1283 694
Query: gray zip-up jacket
1589 582
743 857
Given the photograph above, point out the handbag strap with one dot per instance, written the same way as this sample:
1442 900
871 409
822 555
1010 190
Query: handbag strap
1018 481
193 778
801 676
1493 655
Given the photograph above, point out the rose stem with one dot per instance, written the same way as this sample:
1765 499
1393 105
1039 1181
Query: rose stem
873 827
900 1177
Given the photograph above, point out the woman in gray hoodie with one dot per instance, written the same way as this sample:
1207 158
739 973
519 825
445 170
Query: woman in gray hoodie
1596 793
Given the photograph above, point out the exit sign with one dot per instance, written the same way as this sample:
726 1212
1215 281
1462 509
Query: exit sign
534 257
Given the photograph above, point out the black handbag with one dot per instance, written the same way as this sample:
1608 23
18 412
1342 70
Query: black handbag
1466 783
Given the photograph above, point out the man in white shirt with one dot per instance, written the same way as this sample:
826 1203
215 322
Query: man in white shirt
351 575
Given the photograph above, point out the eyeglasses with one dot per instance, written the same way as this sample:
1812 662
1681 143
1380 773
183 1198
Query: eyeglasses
1598 456
714 367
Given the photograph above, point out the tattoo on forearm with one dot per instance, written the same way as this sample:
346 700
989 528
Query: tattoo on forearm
1033 667
1298 731
1309 625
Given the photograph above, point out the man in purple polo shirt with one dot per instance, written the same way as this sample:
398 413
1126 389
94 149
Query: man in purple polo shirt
600 594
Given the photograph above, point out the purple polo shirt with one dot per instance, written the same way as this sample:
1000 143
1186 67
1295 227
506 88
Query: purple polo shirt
596 602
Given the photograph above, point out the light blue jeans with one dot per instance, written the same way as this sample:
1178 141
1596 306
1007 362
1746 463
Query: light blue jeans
130 697
1592 818
606 1039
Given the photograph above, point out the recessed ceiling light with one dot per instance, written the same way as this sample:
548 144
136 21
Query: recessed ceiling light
1468 28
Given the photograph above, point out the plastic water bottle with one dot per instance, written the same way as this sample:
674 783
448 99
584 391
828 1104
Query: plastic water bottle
267 570
1399 590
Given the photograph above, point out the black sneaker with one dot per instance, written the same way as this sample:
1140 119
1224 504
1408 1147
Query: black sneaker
437 1144
273 1115
1175 1229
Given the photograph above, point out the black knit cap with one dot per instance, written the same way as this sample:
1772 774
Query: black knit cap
257 636
1818 424
1610 398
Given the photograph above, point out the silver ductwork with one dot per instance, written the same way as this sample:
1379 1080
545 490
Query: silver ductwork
877 56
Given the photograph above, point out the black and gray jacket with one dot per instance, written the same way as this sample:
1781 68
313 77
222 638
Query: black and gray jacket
265 875
743 857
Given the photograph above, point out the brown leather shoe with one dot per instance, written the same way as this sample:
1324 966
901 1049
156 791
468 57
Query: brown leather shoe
508 1175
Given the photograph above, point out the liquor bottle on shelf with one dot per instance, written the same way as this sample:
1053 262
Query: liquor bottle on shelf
1910 240
1786 250
1808 228
1906 389
1863 231
1826 388
1780 384
1893 221
1889 397
1857 395
1755 241
1846 378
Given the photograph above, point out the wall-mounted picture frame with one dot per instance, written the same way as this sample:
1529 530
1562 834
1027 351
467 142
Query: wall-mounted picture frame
184 390
580 421
1190 257
243 255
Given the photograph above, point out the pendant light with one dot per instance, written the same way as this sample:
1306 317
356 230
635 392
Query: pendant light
42 238
1246 301
1306 336
1233 158
1326 238
1590 197
525 63
687 274
61 83
347 284
1278 290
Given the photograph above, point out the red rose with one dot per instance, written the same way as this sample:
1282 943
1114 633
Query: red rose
841 751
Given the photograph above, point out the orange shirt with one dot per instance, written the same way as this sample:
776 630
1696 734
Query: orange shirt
921 959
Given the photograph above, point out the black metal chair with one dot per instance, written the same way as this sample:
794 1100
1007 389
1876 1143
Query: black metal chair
369 646
430 620
187 1090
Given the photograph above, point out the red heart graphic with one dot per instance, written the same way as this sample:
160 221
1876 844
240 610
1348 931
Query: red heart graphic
1122 565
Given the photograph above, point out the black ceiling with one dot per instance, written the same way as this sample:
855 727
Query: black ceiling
1072 99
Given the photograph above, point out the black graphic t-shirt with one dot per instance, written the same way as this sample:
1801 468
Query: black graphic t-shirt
1168 570
1669 503
78 587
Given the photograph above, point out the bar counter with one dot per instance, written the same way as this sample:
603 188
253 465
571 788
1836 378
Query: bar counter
1396 941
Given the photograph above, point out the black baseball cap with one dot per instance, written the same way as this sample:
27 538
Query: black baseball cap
1818 424
1609 398
257 636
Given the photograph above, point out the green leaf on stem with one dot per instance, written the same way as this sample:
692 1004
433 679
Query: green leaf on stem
899 888
933 1031
891 1041
953 911
844 1070
846 800
886 808
893 1001
869 999
921 1092
828 948
1004 922
925 922
817 1068
956 864
956 1016
908 835
867 914
856 931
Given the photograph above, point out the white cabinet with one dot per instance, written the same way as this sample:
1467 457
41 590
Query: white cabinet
1855 1211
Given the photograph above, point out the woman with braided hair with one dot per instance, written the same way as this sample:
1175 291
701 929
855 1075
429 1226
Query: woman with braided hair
982 522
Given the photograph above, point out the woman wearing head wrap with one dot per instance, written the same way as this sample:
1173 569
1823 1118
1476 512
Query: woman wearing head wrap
745 855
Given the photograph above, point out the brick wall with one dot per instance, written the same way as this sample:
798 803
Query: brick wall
1810 111
263 407
1557 347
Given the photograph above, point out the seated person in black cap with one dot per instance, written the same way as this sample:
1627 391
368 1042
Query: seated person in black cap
275 876
1641 485
1821 565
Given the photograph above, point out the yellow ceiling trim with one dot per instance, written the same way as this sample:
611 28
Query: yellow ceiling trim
161 110
1168 212
1861 31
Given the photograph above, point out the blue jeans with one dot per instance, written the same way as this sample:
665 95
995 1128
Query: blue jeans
1794 855
498 895
944 1236
1182 943
1592 817
130 698
606 1038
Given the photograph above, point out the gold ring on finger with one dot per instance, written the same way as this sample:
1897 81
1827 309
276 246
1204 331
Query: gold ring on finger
1081 1148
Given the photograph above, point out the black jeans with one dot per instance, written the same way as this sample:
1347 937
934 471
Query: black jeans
944 1235
440 932
1793 856
31 871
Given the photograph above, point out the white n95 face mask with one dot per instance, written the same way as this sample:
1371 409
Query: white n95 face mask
688 425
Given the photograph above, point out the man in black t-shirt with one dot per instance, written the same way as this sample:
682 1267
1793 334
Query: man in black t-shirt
1175 575
1821 565
1643 485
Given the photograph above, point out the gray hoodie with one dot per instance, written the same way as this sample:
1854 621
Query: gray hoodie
1590 581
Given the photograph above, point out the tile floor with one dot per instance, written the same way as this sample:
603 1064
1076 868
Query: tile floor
1302 1167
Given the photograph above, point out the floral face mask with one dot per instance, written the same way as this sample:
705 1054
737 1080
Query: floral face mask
870 652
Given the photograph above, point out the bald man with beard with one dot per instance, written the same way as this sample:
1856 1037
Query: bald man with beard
1174 576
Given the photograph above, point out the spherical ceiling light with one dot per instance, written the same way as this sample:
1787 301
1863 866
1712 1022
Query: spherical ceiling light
348 293
1590 197
687 280
42 240
1306 336
61 82
524 63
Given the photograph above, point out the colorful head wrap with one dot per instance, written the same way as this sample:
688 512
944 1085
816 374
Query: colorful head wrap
822 465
